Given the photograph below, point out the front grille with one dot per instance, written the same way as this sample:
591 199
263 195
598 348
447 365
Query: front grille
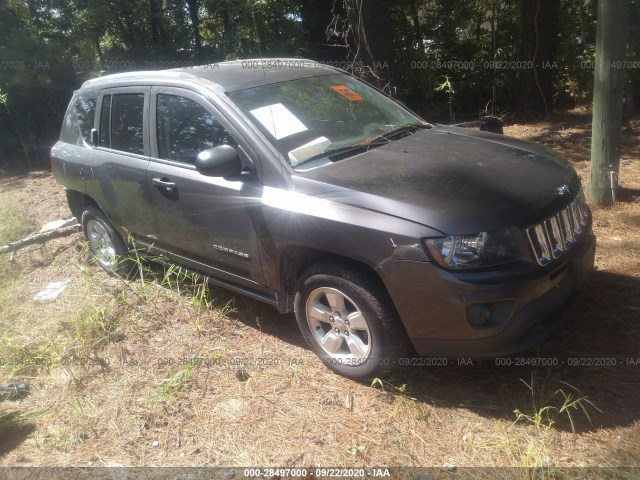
555 235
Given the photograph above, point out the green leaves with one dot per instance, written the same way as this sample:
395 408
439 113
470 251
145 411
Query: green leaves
445 86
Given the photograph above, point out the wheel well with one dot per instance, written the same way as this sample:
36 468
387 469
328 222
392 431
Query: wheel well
297 259
78 202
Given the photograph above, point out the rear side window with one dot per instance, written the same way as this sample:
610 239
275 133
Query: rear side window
121 122
185 128
78 122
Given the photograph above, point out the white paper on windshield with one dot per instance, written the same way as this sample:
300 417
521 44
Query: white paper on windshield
279 121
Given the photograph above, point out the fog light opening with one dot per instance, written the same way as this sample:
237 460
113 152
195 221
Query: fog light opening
479 315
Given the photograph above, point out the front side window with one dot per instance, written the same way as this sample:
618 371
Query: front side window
77 125
185 128
121 122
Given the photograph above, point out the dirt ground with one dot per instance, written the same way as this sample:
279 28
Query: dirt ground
133 396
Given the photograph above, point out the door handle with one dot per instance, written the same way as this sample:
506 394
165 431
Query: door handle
164 183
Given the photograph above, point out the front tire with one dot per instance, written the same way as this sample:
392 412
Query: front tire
106 246
348 320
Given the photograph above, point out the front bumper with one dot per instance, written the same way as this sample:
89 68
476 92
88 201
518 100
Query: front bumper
526 305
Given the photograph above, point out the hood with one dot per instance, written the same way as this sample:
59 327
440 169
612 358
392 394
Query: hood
455 180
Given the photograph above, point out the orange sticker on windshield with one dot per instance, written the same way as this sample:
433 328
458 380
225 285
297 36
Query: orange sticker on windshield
347 93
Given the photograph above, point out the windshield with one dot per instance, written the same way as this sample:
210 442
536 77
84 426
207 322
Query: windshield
308 119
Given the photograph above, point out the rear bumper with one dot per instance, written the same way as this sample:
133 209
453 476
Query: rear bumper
525 307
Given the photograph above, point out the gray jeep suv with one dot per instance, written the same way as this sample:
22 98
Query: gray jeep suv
299 185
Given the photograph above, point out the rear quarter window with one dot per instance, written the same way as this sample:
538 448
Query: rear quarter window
78 122
122 122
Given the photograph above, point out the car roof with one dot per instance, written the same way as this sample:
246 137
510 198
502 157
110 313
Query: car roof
229 76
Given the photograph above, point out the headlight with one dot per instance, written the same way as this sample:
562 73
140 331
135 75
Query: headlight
480 250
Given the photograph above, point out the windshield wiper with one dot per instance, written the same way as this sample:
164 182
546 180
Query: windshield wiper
390 134
374 140
367 143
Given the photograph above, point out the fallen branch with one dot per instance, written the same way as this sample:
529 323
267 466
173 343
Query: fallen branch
67 228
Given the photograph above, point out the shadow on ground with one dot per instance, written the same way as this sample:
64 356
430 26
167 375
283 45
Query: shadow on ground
627 195
596 357
11 437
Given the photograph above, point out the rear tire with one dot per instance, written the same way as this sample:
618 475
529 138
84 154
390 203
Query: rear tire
348 320
106 245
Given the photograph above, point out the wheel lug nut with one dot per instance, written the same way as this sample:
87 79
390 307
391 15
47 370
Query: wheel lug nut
331 319
337 330
346 332
346 322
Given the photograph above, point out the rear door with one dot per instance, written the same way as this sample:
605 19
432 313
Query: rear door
118 165
203 222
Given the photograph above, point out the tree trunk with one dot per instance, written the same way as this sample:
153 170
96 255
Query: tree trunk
494 107
371 22
195 24
315 19
158 36
608 88
408 39
539 40
417 30
629 98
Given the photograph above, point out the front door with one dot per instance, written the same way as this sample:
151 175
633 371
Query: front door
202 221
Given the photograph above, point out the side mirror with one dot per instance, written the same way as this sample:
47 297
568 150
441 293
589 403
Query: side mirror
222 161
95 140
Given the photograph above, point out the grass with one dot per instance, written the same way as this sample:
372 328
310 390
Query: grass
16 224
543 413
118 364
